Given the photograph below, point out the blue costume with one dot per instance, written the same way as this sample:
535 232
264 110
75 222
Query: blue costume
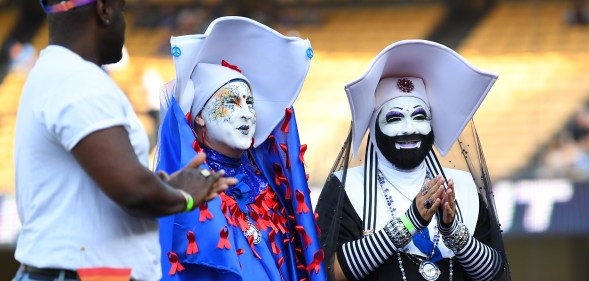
263 228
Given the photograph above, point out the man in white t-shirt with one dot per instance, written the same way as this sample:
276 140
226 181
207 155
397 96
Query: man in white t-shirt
85 196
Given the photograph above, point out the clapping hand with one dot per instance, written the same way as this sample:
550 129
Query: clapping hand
430 197
448 204
203 185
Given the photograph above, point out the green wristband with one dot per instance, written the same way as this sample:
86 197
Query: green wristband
189 203
189 200
408 224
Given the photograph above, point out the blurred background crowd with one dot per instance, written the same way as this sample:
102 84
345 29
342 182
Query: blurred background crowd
534 124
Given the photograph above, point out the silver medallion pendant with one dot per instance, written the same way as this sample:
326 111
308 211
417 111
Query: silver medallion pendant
429 270
253 231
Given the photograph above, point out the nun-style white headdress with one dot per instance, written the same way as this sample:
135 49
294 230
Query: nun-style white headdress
273 65
451 87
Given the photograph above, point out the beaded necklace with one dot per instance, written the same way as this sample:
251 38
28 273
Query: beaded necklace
428 269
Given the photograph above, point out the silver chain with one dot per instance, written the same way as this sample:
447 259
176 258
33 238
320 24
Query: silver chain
392 212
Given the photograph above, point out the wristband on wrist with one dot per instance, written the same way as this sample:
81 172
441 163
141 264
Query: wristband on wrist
189 200
408 224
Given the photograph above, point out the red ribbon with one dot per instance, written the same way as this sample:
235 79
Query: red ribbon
204 212
272 144
196 146
224 241
279 222
176 266
188 117
250 240
242 221
302 153
272 236
316 263
285 149
192 247
225 205
307 177
316 215
301 204
240 252
306 237
277 172
287 115
234 67
280 261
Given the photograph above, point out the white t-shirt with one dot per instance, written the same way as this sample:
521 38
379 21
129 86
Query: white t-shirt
68 222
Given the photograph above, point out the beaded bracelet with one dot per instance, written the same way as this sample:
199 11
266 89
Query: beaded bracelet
456 240
398 233
189 200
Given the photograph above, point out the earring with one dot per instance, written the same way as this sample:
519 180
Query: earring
107 21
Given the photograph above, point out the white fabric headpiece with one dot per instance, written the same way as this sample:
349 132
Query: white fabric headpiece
274 66
452 88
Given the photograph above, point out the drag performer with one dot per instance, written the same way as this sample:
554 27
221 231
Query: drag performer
400 216
232 99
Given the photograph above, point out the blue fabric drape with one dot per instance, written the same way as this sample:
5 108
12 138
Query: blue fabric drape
175 150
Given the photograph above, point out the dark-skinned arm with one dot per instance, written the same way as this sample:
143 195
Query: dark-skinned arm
109 159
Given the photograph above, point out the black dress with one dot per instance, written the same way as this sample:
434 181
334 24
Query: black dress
348 225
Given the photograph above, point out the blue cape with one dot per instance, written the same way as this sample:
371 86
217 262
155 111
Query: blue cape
279 159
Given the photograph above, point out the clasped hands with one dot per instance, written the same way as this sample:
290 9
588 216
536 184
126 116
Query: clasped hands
432 198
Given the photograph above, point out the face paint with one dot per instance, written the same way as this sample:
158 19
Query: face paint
405 116
230 118
403 132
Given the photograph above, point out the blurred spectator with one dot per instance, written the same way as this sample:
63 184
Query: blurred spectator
16 51
577 13
567 155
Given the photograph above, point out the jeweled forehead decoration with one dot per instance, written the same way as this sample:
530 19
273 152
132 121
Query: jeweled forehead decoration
405 85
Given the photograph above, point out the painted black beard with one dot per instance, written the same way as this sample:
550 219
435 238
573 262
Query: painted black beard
405 159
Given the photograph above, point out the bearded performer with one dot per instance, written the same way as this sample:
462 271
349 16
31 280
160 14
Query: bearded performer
400 216
232 99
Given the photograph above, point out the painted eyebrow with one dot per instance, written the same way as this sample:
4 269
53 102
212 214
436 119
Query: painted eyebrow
391 114
419 110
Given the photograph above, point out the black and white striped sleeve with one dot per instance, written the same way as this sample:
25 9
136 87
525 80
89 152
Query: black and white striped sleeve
480 261
361 257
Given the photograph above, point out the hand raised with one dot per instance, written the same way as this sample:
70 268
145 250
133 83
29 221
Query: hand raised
449 204
429 197
201 184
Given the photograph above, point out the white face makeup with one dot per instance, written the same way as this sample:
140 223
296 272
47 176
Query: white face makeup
405 116
230 118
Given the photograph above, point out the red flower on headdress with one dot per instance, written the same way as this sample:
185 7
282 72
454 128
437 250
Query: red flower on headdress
405 85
